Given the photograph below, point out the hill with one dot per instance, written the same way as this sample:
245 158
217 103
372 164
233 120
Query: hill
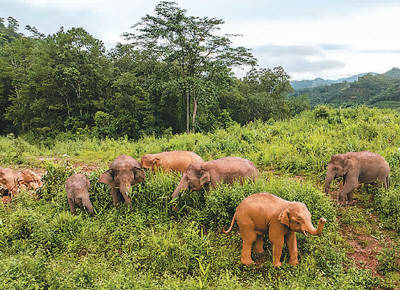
304 84
374 90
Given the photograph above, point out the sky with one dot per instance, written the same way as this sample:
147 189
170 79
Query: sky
330 39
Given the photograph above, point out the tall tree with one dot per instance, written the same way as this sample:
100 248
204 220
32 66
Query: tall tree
56 80
192 44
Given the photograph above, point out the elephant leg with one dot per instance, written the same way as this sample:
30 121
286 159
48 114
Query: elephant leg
276 236
292 246
71 204
114 195
258 247
248 237
347 188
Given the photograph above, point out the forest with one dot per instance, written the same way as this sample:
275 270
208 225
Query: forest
69 105
174 74
373 90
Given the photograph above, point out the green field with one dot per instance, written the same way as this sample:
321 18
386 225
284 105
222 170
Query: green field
180 246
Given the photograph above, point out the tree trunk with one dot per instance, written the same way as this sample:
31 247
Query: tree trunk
187 111
194 114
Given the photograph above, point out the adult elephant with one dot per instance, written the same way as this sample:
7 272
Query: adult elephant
173 160
123 173
262 212
225 170
356 168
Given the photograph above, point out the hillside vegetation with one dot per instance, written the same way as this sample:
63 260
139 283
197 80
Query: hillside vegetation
180 244
373 90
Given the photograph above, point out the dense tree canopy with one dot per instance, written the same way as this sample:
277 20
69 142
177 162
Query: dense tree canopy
173 74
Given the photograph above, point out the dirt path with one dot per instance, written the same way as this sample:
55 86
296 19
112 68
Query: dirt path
365 236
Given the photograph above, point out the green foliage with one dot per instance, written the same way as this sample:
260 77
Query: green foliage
389 260
374 90
153 244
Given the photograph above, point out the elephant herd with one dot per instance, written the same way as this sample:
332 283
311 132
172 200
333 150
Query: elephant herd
255 215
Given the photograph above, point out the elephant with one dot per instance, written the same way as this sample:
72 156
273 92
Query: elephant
124 171
264 211
9 179
14 180
225 170
173 160
356 168
29 180
77 187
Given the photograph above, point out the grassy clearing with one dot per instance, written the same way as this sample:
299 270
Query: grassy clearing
180 245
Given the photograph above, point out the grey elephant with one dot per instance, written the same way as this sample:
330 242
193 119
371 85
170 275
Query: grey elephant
264 212
356 168
223 170
123 173
77 187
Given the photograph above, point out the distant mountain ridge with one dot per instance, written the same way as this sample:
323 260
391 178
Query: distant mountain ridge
373 90
304 84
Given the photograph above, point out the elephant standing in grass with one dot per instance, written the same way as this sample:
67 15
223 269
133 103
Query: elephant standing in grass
263 212
225 170
77 187
123 173
356 168
174 160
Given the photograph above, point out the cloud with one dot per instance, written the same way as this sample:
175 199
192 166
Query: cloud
297 58
334 46
281 50
380 51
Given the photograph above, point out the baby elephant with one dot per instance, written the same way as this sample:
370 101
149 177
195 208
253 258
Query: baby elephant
263 212
356 168
173 160
226 170
77 187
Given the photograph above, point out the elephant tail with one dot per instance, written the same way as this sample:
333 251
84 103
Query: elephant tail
230 228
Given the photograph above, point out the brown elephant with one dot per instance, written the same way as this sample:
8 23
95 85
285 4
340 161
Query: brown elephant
77 187
9 179
356 168
124 171
29 180
173 160
225 170
14 180
262 212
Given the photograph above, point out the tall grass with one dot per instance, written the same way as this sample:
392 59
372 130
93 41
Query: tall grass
179 244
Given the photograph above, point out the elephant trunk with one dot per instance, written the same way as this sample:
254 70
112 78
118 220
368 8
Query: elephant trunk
124 188
311 230
183 184
88 205
328 179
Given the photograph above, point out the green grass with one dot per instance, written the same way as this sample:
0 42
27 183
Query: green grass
180 244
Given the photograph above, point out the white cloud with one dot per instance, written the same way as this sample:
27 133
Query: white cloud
360 41
309 39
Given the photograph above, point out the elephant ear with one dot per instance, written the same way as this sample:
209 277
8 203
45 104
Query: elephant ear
139 174
347 165
204 177
284 217
107 177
